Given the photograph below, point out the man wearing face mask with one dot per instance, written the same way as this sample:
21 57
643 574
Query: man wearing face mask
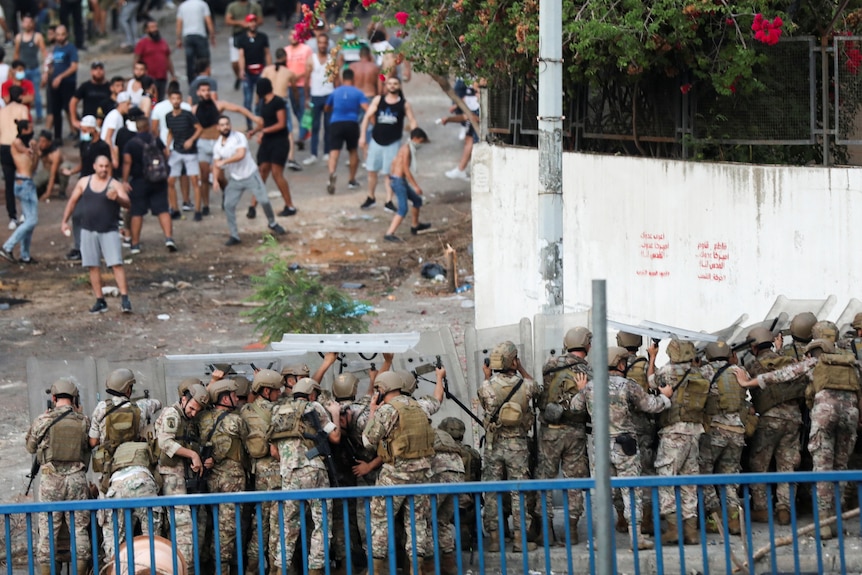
349 46
400 174
19 78
25 157
153 51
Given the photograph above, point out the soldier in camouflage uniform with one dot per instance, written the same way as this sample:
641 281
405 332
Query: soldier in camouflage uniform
778 429
681 428
119 386
625 397
447 466
58 438
472 461
564 433
720 449
292 423
291 374
399 429
178 444
266 389
800 331
224 432
505 397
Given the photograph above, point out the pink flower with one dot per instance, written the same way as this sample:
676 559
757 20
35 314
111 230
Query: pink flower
685 88
401 17
729 21
367 3
382 77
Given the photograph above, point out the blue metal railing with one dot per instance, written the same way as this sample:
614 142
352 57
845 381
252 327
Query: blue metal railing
803 554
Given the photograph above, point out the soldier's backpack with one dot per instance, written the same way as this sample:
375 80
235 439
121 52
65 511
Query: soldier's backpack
258 418
836 371
688 400
122 424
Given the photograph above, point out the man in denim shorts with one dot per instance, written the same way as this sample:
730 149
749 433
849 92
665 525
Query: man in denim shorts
401 172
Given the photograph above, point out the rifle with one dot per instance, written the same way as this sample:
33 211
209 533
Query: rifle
34 467
448 394
533 451
321 446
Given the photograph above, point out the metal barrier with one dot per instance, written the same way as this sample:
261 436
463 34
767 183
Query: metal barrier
713 554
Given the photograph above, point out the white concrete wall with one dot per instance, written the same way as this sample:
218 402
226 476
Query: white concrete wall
682 243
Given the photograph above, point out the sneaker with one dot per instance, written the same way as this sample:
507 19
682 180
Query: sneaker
390 207
198 217
232 241
462 133
368 203
135 249
293 165
393 239
74 255
353 185
325 157
169 243
126 306
300 145
237 83
126 243
205 211
309 160
28 261
21 219
420 228
188 207
101 306
277 229
251 213
287 212
13 224
330 187
456 174
175 214
7 256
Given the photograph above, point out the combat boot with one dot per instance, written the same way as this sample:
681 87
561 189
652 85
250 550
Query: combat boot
429 566
340 568
782 516
643 543
713 521
647 527
690 533
670 534
622 525
760 515
516 543
315 572
493 545
381 566
83 567
827 532
573 529
45 569
448 565
733 523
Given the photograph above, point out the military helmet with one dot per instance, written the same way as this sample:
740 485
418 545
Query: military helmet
200 394
243 385
121 380
409 382
760 335
857 321
626 339
219 387
616 354
64 386
344 386
454 427
717 350
296 370
186 384
266 378
503 356
577 338
305 386
824 345
388 381
801 324
680 351
825 330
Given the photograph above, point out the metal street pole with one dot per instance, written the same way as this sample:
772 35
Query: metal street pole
550 221
601 431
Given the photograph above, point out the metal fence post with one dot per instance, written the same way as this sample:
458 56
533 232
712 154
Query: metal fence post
601 431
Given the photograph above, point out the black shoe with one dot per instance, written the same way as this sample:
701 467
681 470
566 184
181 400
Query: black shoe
420 228
330 187
28 261
74 255
205 211
251 213
169 243
390 207
353 185
101 306
287 211
232 241
392 238
368 204
7 256
188 207
198 217
175 214
126 305
300 145
237 83
294 166
277 230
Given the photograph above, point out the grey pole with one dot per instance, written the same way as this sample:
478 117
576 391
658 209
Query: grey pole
601 431
550 219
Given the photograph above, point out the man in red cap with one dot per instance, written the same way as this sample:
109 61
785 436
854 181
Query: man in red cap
254 55
235 16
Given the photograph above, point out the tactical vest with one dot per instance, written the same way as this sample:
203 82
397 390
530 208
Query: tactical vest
66 439
730 394
773 395
412 438
636 370
472 463
225 445
835 371
288 423
122 424
513 414
688 400
258 417
186 436
856 347
132 453
558 384
443 443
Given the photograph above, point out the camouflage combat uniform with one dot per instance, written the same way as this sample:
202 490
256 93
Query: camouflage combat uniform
382 432
626 398
506 449
300 472
62 480
98 421
563 444
446 467
227 432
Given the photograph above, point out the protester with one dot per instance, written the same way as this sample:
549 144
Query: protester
254 55
25 157
90 94
346 105
272 137
402 178
319 87
155 52
194 26
10 115
63 76
30 48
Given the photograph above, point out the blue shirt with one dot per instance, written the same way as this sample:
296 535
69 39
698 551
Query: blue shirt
346 103
63 58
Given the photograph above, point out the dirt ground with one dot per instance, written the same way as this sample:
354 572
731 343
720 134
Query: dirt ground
330 236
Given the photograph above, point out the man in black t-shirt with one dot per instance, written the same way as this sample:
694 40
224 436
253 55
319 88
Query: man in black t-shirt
91 93
183 133
274 145
254 56
117 85
145 195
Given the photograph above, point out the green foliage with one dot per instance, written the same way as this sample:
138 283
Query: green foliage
296 302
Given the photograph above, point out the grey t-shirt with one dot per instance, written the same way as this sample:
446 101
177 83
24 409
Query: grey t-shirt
192 13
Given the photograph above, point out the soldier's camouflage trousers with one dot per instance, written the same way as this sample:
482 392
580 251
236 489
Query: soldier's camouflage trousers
54 486
267 477
505 459
226 477
379 518
175 484
128 483
778 438
720 452
834 419
677 455
304 478
564 447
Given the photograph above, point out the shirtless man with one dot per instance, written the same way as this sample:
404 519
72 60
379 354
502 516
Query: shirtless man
100 236
9 116
366 74
25 157
399 176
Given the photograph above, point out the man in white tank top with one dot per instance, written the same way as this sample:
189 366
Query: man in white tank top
320 87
